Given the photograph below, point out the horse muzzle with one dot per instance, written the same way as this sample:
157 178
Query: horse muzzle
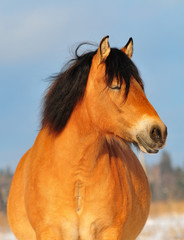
152 138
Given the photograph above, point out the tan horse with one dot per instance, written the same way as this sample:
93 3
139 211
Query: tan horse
81 180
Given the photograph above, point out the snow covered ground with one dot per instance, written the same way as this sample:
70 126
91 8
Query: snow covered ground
167 227
7 236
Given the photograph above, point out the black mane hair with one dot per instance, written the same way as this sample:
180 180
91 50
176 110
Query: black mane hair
121 67
69 85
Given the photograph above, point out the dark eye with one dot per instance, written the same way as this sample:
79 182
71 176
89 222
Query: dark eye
116 87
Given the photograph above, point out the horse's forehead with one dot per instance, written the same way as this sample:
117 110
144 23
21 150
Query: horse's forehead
97 71
95 62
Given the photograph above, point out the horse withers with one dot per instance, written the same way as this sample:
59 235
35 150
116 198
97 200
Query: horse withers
81 179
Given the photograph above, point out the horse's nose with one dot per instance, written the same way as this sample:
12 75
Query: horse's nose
157 134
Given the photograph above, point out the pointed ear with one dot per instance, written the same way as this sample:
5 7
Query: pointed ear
128 48
103 50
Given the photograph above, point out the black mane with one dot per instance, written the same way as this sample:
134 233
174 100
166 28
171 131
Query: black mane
69 85
120 66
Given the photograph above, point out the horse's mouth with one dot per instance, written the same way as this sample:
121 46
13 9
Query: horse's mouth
145 147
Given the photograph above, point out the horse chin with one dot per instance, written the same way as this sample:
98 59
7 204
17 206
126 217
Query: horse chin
145 147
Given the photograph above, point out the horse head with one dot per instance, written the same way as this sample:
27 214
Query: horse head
116 101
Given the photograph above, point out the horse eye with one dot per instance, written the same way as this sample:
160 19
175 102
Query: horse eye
116 87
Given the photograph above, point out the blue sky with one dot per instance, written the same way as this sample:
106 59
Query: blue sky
38 37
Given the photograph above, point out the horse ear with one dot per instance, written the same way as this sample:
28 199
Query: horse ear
103 50
128 48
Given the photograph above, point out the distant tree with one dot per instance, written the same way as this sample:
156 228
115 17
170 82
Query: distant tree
165 163
5 182
154 177
178 193
2 204
167 176
166 181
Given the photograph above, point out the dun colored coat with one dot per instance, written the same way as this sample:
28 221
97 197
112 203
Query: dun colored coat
80 179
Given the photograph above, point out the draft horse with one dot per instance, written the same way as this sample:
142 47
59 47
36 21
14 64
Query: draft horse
81 179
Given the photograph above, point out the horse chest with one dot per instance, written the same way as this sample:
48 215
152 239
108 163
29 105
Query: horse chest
79 192
106 205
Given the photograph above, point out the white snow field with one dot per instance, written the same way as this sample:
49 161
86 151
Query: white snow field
167 227
7 236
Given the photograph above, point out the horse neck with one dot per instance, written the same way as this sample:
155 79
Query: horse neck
79 139
81 142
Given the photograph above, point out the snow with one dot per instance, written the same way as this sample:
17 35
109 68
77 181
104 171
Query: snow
167 227
7 236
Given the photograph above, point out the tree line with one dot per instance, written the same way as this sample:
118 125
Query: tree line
5 182
166 181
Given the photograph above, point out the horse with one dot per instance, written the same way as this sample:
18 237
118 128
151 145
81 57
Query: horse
81 179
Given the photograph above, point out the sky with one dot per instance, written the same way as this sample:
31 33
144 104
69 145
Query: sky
38 37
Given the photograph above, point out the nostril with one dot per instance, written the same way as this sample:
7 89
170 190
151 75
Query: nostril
165 132
155 134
